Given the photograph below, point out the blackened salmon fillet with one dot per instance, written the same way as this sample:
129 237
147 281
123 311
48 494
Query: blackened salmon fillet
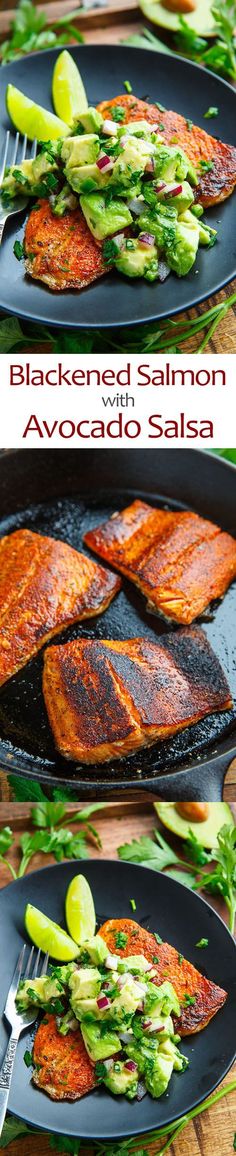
61 250
207 997
180 561
63 1068
216 183
44 586
105 700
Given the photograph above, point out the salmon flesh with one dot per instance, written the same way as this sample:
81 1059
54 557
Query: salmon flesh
179 561
207 997
45 585
216 183
105 700
63 1068
61 251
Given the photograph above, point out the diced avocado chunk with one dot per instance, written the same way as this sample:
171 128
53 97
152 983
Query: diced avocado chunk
138 128
40 166
171 163
86 178
131 162
64 202
96 948
181 255
158 1077
136 261
18 179
168 1048
161 1000
135 963
104 218
161 222
183 200
84 984
91 121
99 1045
121 1081
39 991
80 150
207 236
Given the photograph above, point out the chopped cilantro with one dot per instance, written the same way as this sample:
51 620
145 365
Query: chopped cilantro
100 1071
155 958
180 959
127 85
202 943
189 124
109 252
189 1000
157 937
160 106
211 112
20 177
121 939
18 250
133 904
118 113
206 166
28 1059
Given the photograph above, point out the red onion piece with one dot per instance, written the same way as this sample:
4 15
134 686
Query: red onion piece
131 1066
163 270
135 206
103 1002
146 1024
159 188
146 239
122 980
149 167
113 960
141 1090
110 128
104 163
173 190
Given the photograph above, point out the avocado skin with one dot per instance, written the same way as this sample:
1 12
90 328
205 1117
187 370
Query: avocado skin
207 831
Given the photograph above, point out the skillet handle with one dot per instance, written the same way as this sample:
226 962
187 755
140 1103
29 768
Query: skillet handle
201 784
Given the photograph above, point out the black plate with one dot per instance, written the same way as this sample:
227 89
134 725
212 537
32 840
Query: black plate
180 917
115 301
58 493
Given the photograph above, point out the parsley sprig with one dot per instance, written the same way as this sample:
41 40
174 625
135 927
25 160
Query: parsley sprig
52 836
30 32
220 880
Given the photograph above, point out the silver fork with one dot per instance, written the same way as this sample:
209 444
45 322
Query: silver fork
18 1021
11 158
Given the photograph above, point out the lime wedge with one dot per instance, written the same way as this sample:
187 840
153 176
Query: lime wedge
68 92
49 936
37 122
80 910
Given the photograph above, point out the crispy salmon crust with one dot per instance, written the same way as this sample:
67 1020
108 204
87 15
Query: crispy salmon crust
64 1069
61 250
215 185
186 980
44 586
179 561
105 700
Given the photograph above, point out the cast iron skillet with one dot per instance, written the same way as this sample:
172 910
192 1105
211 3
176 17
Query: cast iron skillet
114 300
179 916
62 494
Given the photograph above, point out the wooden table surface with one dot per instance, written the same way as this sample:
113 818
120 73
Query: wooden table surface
212 1132
113 24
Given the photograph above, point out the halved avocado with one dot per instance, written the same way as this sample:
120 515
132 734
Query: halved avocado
206 831
201 20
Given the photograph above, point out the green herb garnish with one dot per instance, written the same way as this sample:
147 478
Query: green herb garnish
128 86
211 112
133 904
18 250
121 939
202 943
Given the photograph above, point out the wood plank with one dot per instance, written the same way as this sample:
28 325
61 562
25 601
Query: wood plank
214 1130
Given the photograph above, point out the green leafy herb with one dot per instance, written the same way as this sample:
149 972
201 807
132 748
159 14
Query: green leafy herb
6 841
202 943
157 937
221 56
222 879
180 959
18 250
121 939
189 124
189 1000
133 904
28 1059
52 837
211 112
206 166
30 32
128 86
195 851
234 1142
109 252
118 113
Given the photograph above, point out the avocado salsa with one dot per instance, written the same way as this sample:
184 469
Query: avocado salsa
136 193
125 1019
